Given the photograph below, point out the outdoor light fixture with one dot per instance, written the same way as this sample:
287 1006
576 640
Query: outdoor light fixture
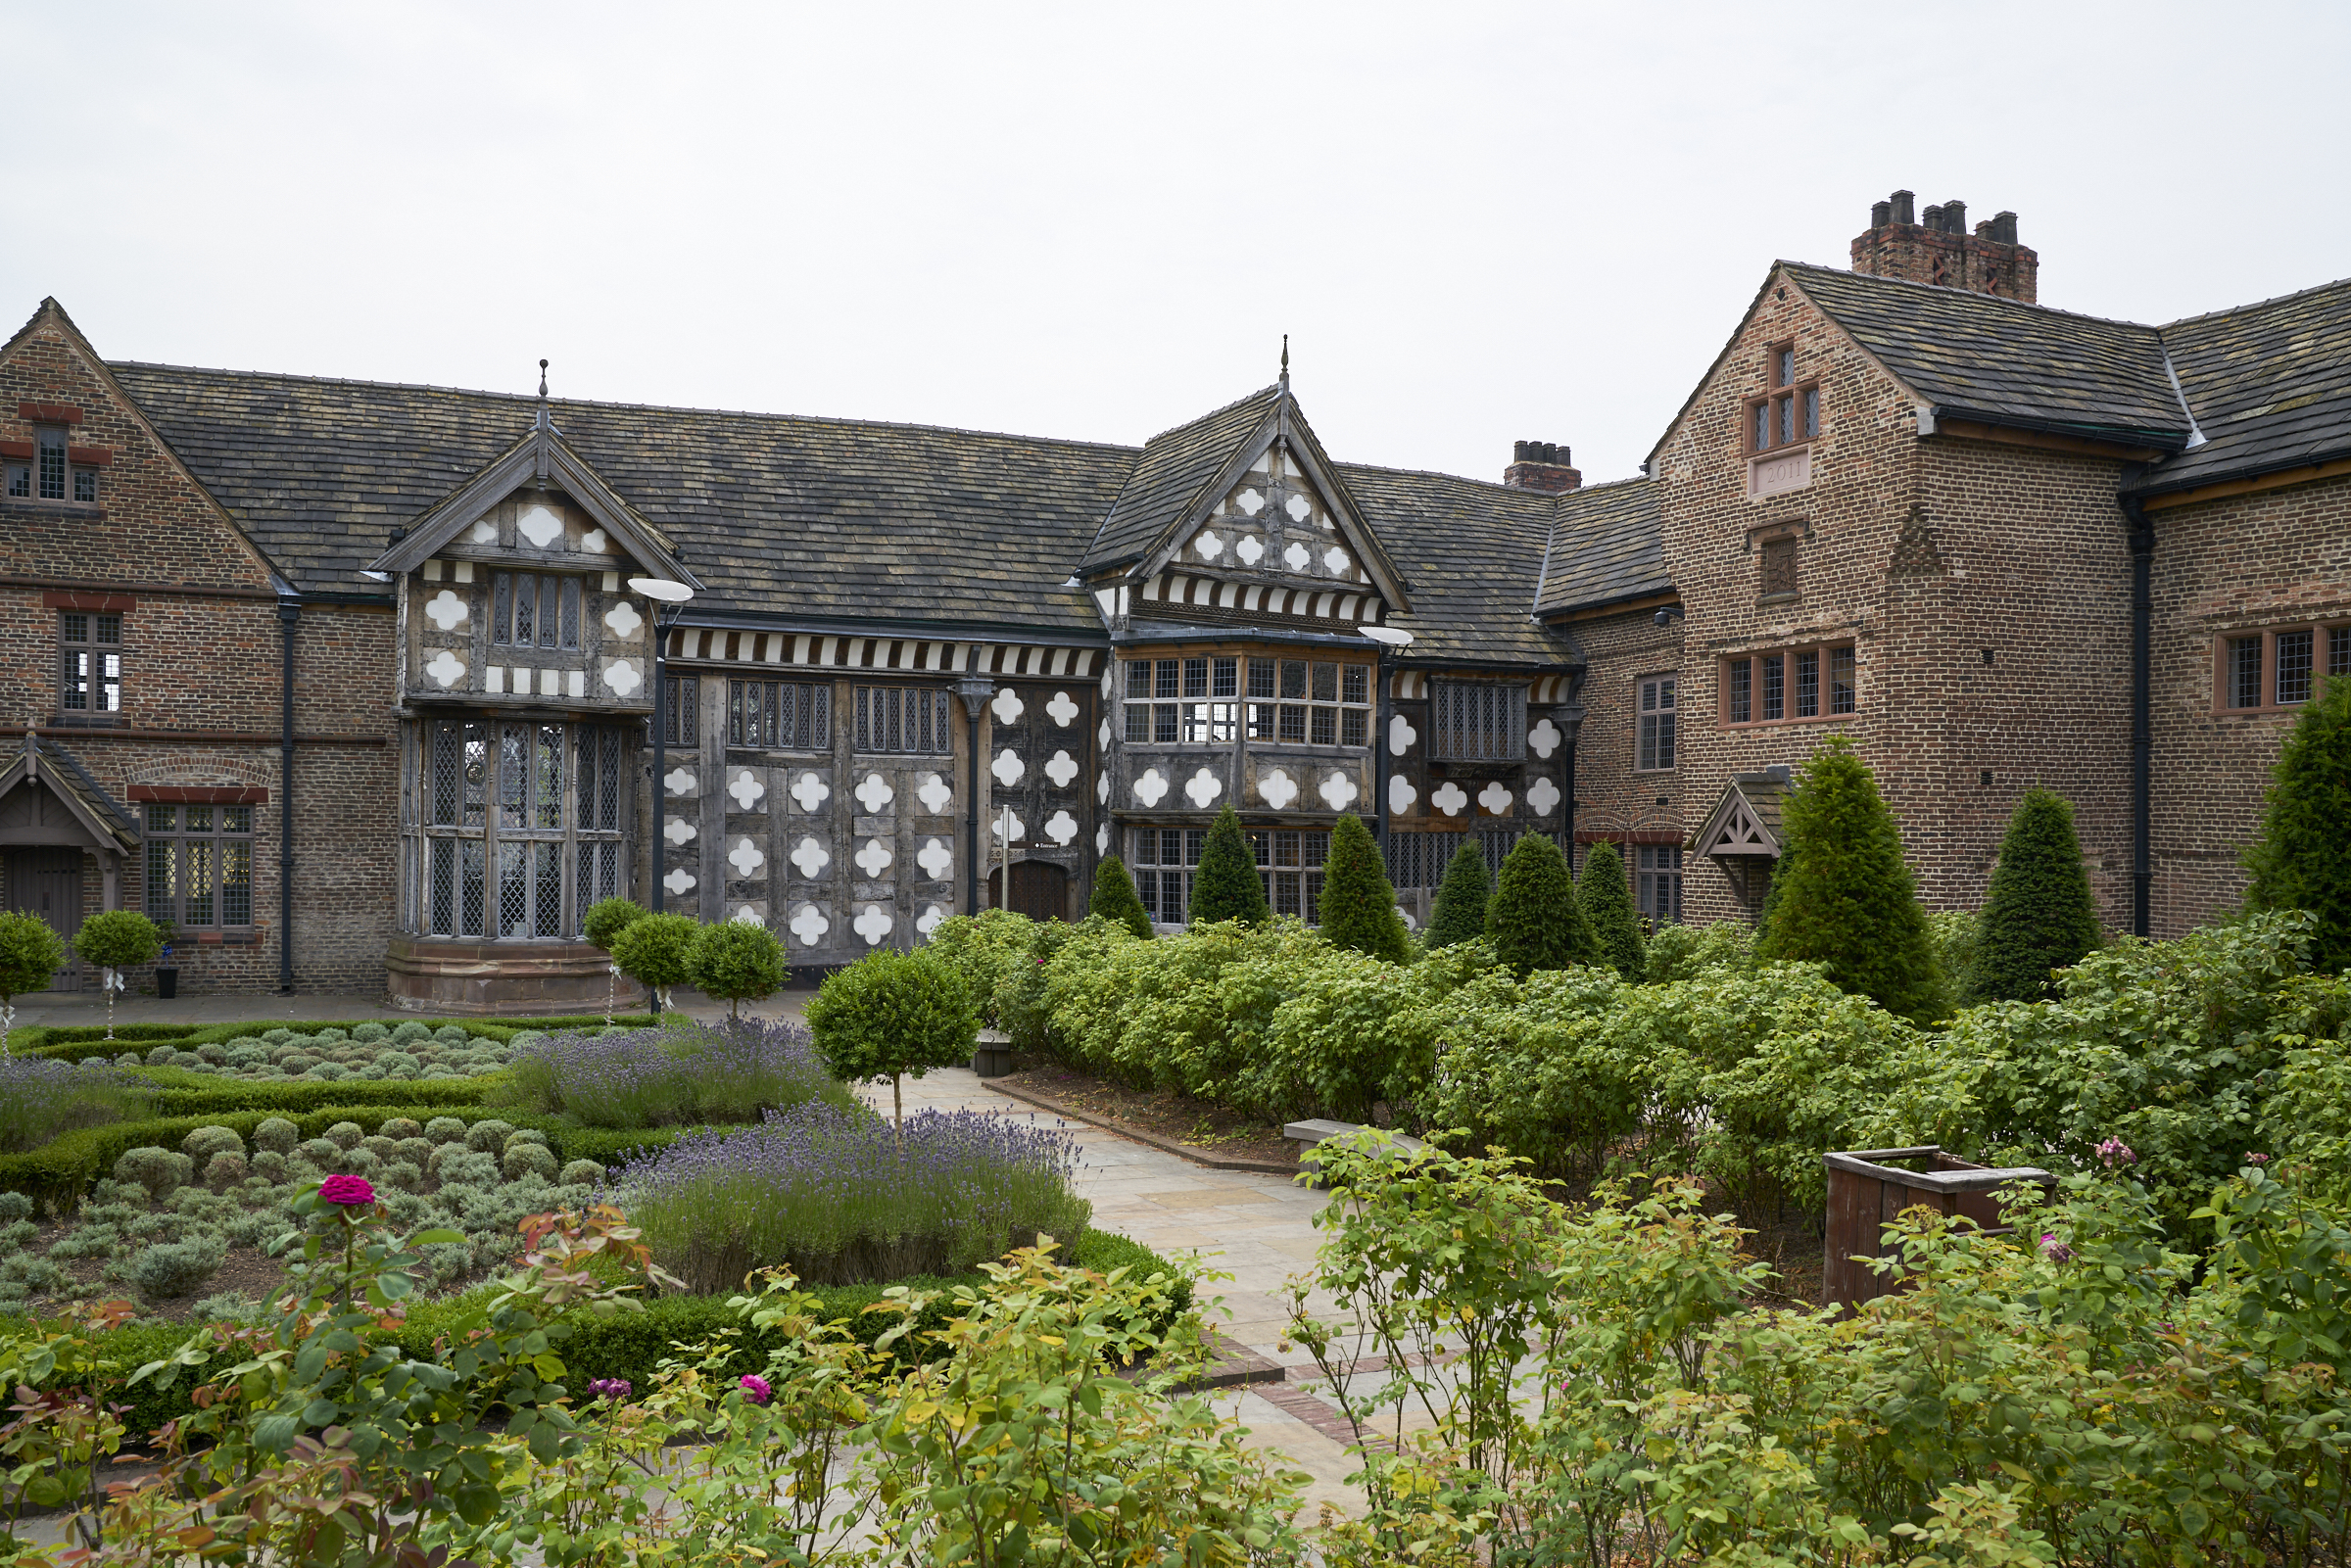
662 591
375 577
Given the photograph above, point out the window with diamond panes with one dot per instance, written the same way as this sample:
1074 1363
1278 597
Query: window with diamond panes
530 609
682 709
909 718
1478 723
89 668
520 828
780 715
199 865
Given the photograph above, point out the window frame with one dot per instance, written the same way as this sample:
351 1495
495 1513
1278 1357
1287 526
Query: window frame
756 711
1800 395
90 646
164 825
910 711
1653 877
2330 659
1654 723
1444 736
460 835
568 603
1790 656
1217 699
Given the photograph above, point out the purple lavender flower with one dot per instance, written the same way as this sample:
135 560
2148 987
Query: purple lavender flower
681 1071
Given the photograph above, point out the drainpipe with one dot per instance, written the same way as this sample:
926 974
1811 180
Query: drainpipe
289 612
2142 731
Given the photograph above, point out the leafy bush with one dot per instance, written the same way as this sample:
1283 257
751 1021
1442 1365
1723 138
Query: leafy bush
893 1014
41 1099
205 1142
1359 906
607 919
1608 903
1225 885
30 955
2038 915
681 1072
735 961
2301 859
656 951
985 948
118 939
1682 951
159 1171
1115 898
168 1270
1533 918
840 1197
1459 912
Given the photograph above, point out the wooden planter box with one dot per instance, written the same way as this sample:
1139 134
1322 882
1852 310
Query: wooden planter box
1867 1188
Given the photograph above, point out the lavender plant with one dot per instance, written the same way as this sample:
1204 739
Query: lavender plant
41 1098
677 1073
831 1195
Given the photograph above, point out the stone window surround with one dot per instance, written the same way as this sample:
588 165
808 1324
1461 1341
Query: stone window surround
1826 648
1803 393
2322 631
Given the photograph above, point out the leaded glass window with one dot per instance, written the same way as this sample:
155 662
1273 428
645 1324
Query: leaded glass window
199 864
520 830
1479 723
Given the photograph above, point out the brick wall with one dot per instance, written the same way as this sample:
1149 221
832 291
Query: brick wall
1613 799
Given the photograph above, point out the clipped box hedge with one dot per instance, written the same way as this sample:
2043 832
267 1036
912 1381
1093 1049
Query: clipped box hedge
77 1041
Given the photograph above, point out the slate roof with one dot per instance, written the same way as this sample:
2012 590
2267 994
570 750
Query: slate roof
64 773
1999 361
1475 552
1606 548
2269 385
1170 479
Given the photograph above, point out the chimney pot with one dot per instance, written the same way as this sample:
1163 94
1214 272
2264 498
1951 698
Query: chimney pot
1881 214
1518 450
1954 218
2003 227
1901 208
1933 216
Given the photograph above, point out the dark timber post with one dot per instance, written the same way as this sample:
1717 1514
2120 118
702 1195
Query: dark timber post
289 612
974 687
2142 729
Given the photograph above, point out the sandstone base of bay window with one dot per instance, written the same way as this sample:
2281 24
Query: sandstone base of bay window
520 977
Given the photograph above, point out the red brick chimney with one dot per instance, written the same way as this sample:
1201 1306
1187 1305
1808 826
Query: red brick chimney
1942 251
1541 465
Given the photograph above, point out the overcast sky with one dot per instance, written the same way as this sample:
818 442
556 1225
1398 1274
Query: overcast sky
1477 223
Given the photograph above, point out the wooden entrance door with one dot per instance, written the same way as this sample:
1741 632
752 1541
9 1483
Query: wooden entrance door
1040 889
46 881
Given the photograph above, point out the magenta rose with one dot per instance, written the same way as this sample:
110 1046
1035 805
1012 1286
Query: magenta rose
352 1192
755 1389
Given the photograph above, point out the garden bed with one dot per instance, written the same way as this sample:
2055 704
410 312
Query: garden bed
1160 1116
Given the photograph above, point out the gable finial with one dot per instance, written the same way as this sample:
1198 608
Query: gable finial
1285 361
543 379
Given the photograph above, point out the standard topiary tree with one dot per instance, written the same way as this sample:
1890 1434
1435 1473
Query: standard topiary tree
2039 914
1359 908
1461 908
1608 903
1534 918
1225 885
606 920
737 960
1844 898
2302 856
30 955
893 1015
1115 898
653 951
114 942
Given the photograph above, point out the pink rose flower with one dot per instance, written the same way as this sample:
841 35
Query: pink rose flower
755 1389
353 1192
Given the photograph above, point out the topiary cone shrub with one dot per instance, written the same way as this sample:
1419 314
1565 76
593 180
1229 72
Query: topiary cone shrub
1534 918
114 942
1459 913
30 955
2302 857
2039 914
605 921
1608 901
1843 897
737 960
653 950
1225 885
1115 898
891 1014
1359 908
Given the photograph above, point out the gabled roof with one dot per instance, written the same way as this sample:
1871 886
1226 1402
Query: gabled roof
2269 386
46 764
1746 818
1477 551
1607 546
1174 478
1999 362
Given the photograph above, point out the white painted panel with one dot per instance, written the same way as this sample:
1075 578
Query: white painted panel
494 678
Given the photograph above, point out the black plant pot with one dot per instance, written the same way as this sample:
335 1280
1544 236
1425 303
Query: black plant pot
166 982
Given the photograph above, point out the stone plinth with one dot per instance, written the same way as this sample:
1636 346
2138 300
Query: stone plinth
483 977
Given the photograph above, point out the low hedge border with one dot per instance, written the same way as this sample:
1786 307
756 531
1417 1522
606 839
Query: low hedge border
627 1345
72 1042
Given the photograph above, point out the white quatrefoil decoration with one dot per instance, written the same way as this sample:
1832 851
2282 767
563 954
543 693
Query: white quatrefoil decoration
1102 787
445 668
1007 706
1334 559
1008 768
678 881
1338 789
1151 787
1494 797
1250 549
1401 793
1542 796
1449 797
874 858
933 794
1297 557
937 858
1107 687
1020 828
1061 827
622 676
446 610
1102 839
810 924
745 915
1250 502
594 542
875 792
1279 788
746 789
1062 710
1202 788
1209 546
678 830
1405 915
1103 734
540 525
1061 770
1401 735
811 857
1543 739
873 922
811 791
485 532
746 858
622 621
929 920
1298 508
679 781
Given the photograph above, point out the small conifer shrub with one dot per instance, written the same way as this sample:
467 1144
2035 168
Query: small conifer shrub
2039 914
1609 905
1534 918
1115 898
2302 858
1459 913
1359 907
1225 885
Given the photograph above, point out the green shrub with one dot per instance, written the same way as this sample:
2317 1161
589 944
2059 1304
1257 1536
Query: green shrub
411 1031
984 949
400 1129
1359 906
277 1135
226 1169
1225 885
655 952
733 961
581 1172
890 1014
1533 918
1608 904
528 1158
1115 898
1843 897
607 918
2301 858
1677 952
445 1130
2039 914
1459 913
30 955
205 1142
489 1137
159 1171
1020 1003
120 939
